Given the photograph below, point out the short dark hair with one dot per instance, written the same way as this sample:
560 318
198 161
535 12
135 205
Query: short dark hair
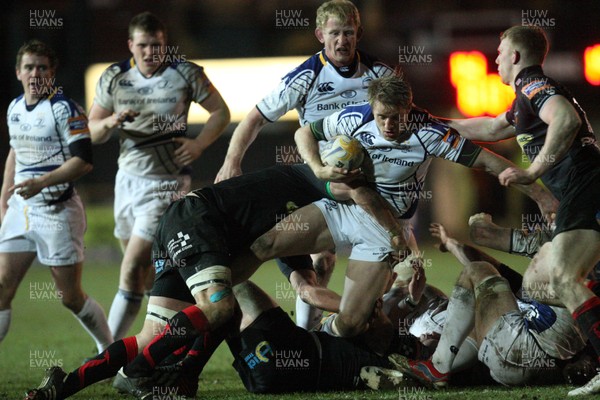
146 22
38 48
530 39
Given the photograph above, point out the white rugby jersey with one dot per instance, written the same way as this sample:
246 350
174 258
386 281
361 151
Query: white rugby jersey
399 168
163 101
40 136
554 329
317 88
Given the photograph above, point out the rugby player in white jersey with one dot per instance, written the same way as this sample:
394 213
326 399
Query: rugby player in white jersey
521 340
146 99
401 154
333 78
41 212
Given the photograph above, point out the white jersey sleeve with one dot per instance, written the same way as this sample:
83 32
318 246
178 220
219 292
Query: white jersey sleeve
439 140
289 94
71 121
105 87
345 122
199 83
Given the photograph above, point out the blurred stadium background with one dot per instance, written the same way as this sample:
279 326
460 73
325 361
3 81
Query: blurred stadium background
421 36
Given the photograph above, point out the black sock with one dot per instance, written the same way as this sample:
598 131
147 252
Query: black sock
103 366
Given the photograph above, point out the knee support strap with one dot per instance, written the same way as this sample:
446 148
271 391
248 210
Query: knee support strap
217 275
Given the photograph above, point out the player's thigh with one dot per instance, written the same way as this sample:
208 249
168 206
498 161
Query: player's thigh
138 252
493 299
365 282
536 279
302 232
574 253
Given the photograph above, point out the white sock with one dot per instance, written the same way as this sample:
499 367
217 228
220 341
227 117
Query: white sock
307 316
93 320
467 355
124 309
460 320
4 322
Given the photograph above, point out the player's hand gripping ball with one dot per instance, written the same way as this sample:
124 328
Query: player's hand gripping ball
343 152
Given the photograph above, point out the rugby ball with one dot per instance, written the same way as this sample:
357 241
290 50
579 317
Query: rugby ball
343 152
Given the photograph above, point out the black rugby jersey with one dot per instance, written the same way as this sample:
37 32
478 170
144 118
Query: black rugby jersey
253 203
533 89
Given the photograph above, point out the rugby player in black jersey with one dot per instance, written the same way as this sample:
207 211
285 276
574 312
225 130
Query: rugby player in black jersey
555 134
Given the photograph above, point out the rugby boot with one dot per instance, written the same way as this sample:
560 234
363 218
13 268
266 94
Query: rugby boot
50 387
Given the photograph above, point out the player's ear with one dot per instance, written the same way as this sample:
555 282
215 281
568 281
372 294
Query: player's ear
516 57
319 35
359 33
130 45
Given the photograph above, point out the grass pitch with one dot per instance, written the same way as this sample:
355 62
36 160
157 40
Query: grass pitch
43 333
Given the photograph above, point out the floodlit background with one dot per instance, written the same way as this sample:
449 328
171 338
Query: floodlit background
446 48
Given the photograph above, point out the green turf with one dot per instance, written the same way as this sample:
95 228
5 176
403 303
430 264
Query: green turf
43 333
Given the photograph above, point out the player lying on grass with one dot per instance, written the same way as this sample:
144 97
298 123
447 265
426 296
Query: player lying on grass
521 341
210 228
273 355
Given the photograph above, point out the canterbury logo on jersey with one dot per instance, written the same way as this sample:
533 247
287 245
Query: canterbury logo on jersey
325 87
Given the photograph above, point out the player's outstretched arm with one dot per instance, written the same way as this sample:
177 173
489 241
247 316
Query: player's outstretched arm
464 253
7 182
484 129
190 149
243 136
495 165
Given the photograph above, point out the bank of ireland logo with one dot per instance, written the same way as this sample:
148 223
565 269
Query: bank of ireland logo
260 355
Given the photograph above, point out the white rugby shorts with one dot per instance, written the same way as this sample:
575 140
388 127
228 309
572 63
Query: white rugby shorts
54 232
512 354
351 227
141 201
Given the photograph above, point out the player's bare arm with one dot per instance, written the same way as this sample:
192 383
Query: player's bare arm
304 282
243 136
308 147
464 253
190 149
73 169
563 123
495 165
102 121
484 129
7 182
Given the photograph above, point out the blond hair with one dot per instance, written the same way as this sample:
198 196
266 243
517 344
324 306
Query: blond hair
342 10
